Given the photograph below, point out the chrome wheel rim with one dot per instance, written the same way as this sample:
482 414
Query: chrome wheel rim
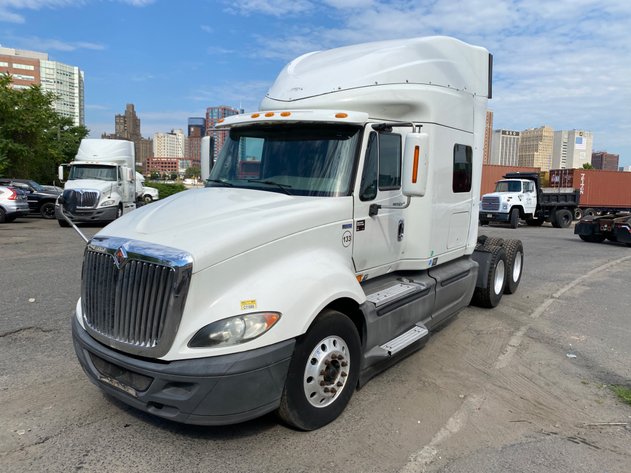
517 267
326 372
498 284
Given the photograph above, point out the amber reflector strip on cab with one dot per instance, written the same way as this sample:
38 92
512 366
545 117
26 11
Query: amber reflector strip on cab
415 169
341 115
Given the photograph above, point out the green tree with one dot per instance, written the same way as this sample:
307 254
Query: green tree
588 166
192 173
34 139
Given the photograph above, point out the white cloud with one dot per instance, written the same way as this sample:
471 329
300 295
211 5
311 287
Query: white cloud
246 95
45 44
277 8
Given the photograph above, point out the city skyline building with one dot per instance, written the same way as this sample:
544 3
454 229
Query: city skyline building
169 145
127 127
196 131
217 137
535 147
571 149
606 161
34 68
505 148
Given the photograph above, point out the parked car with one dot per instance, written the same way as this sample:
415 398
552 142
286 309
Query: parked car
13 204
40 200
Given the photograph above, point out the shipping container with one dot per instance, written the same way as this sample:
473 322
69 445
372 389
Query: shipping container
599 190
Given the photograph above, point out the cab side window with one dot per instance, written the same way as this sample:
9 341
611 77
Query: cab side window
463 168
382 166
389 161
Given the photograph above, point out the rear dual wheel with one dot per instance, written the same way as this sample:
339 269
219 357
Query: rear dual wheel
491 295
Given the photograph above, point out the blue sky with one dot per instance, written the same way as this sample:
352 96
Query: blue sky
563 63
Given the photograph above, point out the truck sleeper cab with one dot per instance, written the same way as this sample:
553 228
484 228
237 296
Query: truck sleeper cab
327 245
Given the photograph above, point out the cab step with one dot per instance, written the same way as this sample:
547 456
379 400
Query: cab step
394 292
405 339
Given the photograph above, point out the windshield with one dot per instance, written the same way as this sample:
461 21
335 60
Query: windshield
307 160
92 171
508 186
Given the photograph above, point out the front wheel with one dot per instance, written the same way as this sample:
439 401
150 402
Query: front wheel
147 199
47 210
514 218
322 374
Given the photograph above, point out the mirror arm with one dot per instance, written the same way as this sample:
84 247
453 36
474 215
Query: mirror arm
374 208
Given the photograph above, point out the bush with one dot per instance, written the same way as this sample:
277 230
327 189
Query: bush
166 189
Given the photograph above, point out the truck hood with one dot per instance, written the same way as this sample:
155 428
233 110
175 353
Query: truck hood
214 224
91 184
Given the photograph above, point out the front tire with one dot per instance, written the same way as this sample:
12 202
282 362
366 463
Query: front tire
147 199
47 210
514 218
322 374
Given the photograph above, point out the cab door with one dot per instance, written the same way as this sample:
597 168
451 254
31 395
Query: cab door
379 234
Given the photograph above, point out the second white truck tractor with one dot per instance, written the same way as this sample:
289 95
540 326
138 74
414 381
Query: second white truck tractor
338 229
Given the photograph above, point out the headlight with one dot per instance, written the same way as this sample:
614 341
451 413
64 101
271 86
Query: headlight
504 206
234 330
107 203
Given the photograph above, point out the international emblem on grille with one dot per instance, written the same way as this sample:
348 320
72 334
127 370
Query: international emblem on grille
120 257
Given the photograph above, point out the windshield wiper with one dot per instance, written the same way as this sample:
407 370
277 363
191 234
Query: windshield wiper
282 187
219 181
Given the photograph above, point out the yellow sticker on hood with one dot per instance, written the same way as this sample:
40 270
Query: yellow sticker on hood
248 305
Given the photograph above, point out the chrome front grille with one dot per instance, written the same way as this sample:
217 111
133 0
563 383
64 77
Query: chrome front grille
81 198
133 294
490 203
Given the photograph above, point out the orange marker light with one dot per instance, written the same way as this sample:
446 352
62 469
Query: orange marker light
285 114
341 115
269 114
415 168
220 120
255 115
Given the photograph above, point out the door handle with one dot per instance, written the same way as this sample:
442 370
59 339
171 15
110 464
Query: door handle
401 230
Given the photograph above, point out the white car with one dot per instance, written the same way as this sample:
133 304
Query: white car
149 194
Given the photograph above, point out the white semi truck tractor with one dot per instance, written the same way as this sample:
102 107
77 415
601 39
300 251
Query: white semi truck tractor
100 184
338 229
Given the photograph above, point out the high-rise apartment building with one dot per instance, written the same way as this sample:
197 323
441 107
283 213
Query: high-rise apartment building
535 147
571 149
196 131
488 138
505 148
33 68
218 137
127 127
605 161
169 145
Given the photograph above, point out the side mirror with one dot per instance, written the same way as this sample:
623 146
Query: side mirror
415 164
60 173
